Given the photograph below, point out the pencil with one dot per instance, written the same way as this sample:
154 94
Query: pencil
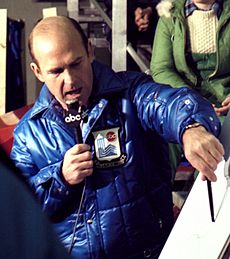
210 200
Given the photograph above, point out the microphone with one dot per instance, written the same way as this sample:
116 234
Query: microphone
74 116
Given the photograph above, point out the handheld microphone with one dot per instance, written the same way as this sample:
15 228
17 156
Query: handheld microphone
74 116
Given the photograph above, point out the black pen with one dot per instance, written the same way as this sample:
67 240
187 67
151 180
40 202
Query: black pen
210 198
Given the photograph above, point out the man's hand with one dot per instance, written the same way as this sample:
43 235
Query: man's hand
225 106
142 18
203 150
77 164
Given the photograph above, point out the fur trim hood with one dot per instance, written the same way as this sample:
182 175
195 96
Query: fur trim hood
164 8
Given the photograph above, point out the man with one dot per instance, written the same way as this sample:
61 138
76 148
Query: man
25 231
109 197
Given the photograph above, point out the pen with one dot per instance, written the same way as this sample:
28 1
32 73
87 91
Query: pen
210 200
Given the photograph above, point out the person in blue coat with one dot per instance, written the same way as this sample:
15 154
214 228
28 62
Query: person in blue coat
25 230
109 194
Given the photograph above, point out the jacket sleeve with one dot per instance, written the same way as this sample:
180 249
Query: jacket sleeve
169 110
43 176
162 64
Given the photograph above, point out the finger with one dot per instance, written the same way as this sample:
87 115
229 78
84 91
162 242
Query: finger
211 158
82 157
84 173
87 172
217 151
79 148
138 12
222 109
226 101
143 27
146 18
80 176
202 166
86 165
212 151
207 167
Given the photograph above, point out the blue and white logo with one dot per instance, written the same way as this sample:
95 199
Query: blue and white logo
107 145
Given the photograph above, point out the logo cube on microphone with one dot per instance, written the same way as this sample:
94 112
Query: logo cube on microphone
73 118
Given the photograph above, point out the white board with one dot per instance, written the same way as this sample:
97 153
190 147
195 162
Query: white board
194 235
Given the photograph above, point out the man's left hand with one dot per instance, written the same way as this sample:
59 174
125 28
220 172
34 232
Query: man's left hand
203 150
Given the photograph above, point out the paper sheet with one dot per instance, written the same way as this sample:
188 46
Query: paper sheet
194 235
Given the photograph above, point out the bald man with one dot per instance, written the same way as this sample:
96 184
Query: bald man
110 196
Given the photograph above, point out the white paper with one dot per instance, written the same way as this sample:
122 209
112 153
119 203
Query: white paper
194 235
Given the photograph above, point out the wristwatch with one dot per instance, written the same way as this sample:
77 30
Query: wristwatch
193 125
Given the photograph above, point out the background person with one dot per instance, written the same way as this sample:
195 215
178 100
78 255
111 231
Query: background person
192 48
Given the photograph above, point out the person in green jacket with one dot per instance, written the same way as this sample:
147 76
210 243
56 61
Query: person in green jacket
192 48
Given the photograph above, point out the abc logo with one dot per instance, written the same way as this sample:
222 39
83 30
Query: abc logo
111 136
72 118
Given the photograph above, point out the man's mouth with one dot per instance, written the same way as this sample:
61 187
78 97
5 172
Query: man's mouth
73 94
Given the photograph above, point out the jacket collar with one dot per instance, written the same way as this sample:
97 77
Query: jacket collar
190 7
105 81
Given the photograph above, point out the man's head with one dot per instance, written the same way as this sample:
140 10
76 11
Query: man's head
62 58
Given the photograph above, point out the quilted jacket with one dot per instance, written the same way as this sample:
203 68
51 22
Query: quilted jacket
127 206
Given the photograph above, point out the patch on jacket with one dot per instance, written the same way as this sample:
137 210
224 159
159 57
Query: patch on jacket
108 149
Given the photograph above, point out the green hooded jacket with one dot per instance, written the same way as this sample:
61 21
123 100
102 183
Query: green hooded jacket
169 65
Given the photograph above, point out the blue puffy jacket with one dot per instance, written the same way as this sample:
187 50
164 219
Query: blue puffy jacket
127 208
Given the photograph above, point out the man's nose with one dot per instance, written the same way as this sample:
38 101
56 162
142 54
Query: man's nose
69 76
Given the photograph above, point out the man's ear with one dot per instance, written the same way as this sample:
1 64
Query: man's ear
91 51
34 67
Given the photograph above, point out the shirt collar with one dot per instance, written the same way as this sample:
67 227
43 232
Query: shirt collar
190 7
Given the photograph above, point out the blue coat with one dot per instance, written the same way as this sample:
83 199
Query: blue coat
127 209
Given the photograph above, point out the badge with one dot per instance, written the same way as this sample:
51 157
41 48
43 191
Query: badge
107 148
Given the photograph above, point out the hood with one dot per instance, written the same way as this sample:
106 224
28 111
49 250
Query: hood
164 8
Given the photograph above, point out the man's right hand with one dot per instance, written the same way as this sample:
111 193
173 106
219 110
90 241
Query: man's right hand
77 164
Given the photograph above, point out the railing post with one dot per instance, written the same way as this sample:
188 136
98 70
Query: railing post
119 35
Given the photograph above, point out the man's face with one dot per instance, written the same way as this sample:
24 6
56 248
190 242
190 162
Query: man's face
64 66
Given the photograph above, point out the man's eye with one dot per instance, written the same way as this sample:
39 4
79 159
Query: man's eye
76 64
56 71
